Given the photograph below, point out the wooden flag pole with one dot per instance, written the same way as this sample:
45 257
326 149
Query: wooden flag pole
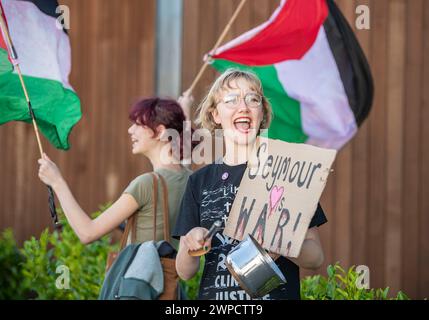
218 42
30 108
14 58
13 54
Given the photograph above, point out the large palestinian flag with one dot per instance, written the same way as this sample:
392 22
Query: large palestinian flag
313 72
44 57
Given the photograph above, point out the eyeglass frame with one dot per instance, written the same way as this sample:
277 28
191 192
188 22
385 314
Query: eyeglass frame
240 96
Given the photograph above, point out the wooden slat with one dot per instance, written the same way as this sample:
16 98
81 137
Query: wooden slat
93 123
3 164
261 11
115 128
126 91
343 181
82 68
423 257
394 142
225 11
208 36
8 184
244 20
343 206
360 173
144 72
191 55
20 145
330 230
377 153
412 146
327 231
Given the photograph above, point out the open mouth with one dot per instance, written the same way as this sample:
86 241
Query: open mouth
134 141
242 124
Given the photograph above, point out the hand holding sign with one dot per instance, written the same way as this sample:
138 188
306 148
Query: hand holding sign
278 194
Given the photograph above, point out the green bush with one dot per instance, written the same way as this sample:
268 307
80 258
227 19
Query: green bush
341 285
60 255
54 257
31 272
191 286
11 260
55 266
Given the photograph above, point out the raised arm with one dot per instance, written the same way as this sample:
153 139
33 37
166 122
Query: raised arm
186 101
87 230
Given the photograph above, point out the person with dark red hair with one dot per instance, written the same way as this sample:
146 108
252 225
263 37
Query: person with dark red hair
157 133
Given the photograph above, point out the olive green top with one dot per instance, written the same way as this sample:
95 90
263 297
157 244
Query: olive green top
141 188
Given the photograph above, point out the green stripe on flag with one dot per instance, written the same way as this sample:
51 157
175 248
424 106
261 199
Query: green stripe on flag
286 124
5 65
57 109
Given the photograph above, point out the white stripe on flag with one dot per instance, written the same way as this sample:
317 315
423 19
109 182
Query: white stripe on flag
315 82
43 49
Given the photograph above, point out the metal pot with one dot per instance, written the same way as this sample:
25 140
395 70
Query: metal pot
253 268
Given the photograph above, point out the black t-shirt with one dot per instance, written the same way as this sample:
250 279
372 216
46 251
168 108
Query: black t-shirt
208 198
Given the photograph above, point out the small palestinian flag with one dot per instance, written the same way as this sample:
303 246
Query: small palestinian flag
312 69
43 49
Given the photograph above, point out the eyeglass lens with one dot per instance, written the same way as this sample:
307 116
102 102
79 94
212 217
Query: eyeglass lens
252 100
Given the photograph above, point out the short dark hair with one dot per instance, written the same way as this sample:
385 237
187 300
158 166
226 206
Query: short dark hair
152 112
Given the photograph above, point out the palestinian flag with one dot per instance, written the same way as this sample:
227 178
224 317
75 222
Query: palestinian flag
312 69
45 60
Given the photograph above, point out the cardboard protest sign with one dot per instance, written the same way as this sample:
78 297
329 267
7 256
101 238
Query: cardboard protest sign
278 194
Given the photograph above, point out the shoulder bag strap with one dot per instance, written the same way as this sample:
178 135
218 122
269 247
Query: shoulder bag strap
155 201
166 227
131 226
166 211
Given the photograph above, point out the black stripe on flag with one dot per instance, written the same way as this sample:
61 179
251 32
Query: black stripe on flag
48 7
351 61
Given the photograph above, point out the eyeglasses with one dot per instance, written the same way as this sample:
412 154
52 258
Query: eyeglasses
251 99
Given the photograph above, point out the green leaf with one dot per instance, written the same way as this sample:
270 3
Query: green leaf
30 271
343 293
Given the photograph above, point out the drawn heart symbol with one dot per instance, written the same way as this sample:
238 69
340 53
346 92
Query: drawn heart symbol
275 196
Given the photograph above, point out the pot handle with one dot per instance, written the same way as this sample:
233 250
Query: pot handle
202 251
